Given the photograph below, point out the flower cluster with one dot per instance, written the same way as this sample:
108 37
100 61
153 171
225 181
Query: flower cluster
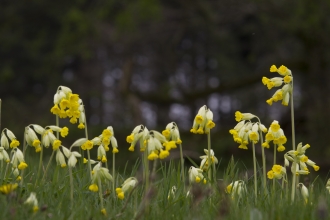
6 136
139 133
101 174
205 162
277 172
275 134
283 93
203 121
246 131
32 200
299 160
196 175
127 186
236 189
67 104
172 133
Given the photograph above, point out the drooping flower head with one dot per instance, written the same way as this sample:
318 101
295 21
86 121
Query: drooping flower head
196 175
205 162
126 187
246 131
99 173
6 137
276 135
277 172
67 104
140 133
32 200
299 160
236 189
172 133
203 121
283 93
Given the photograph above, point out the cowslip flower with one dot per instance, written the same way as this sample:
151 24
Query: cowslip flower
140 133
67 104
203 121
99 173
6 136
8 188
304 192
172 133
18 159
32 139
196 175
171 193
71 155
275 134
205 162
283 93
277 172
127 186
4 155
327 186
48 138
60 160
32 200
236 189
245 132
299 160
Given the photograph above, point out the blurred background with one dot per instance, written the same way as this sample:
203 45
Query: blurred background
153 61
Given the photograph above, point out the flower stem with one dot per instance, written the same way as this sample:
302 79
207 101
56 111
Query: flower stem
293 189
255 172
146 163
274 164
292 120
209 156
88 154
71 186
182 168
100 192
113 172
263 163
47 167
39 167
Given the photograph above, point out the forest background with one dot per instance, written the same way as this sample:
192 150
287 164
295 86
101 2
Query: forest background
154 61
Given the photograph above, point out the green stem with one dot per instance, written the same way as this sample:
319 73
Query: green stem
182 168
255 172
113 172
274 164
39 167
292 119
293 189
263 163
47 167
88 154
100 192
71 186
6 170
146 163
24 149
209 156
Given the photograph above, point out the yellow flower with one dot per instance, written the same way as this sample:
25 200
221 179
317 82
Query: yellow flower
103 211
55 110
273 69
93 188
270 174
14 143
64 131
81 126
8 188
22 166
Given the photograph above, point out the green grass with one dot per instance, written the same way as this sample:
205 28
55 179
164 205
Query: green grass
204 201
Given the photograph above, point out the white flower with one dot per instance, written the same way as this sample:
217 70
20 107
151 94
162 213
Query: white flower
195 175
